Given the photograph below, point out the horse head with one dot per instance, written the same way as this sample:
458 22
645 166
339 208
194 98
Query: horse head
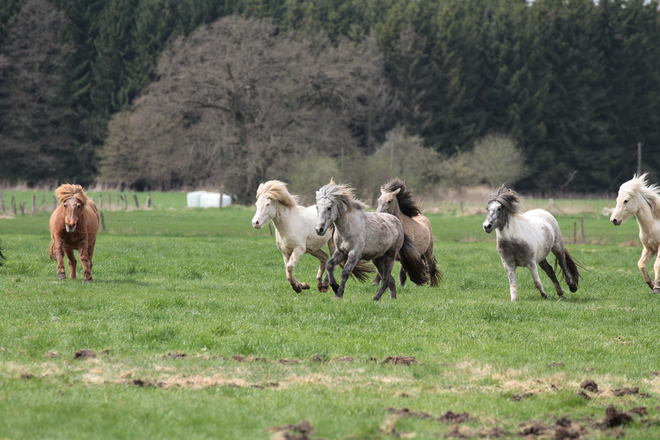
266 211
73 208
501 204
332 202
387 202
629 200
269 194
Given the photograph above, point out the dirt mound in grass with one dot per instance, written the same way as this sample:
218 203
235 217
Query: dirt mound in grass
629 391
400 360
589 385
614 418
405 412
176 355
299 431
83 354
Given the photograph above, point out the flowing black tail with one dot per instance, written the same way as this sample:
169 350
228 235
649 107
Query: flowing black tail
412 262
434 273
570 272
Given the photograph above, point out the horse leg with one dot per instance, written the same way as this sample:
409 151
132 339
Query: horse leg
86 261
59 254
323 261
376 280
533 269
73 263
656 269
351 261
551 274
291 267
511 274
382 275
641 264
337 258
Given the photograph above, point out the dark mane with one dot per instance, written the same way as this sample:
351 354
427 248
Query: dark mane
405 198
510 201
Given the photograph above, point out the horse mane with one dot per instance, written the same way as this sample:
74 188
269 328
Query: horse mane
66 191
276 190
650 193
510 201
341 193
405 198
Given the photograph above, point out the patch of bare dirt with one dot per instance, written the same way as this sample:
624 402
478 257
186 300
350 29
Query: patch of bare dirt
317 358
589 385
405 412
533 428
459 432
400 360
519 397
629 391
238 358
452 417
299 431
492 433
83 354
142 383
654 373
176 355
288 361
639 410
345 359
614 418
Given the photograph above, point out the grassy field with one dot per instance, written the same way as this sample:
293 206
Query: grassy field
197 335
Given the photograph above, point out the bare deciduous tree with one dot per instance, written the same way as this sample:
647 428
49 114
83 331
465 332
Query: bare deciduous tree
237 103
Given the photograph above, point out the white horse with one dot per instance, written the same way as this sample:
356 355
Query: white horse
525 240
638 198
295 235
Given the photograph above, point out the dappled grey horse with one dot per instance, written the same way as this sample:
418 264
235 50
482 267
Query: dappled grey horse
526 239
361 235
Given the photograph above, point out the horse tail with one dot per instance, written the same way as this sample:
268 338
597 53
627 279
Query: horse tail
412 261
434 273
571 273
51 249
362 271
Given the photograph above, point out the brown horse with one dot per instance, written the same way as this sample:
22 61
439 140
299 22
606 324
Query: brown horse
73 225
395 199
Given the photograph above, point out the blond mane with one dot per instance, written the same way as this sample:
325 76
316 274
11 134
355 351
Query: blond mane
276 190
67 191
650 193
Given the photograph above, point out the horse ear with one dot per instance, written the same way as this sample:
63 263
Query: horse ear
382 190
397 191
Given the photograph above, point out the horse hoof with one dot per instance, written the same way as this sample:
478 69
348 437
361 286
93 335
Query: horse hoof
296 288
656 290
89 280
61 276
338 297
335 287
376 298
375 283
573 288
304 286
323 289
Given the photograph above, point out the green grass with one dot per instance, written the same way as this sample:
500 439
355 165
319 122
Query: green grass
204 283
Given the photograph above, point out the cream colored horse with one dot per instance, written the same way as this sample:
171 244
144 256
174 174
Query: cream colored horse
295 235
638 198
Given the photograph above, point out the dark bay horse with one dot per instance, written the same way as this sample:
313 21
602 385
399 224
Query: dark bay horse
395 199
73 226
361 235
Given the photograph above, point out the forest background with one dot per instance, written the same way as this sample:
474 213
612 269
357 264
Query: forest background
552 96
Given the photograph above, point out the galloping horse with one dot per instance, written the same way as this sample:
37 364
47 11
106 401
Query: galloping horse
295 236
395 199
73 225
361 235
638 198
523 240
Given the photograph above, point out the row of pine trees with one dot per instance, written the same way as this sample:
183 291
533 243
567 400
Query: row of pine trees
575 82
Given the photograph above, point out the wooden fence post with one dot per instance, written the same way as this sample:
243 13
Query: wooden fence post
100 201
34 204
137 205
13 205
102 221
148 204
125 201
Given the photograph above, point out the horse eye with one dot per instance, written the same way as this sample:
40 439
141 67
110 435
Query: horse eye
625 201
329 209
